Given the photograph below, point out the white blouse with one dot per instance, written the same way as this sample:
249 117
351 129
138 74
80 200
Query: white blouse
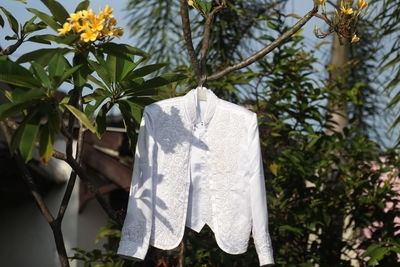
197 162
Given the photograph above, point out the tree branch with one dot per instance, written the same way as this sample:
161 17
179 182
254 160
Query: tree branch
12 48
187 34
72 178
277 42
82 174
206 38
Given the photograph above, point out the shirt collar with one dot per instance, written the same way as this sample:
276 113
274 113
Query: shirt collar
192 105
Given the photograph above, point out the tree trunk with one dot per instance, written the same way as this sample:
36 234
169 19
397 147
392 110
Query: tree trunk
331 236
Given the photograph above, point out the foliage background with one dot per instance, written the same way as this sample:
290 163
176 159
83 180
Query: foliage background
313 179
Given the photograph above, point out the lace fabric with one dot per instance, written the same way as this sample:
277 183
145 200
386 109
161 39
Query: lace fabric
195 170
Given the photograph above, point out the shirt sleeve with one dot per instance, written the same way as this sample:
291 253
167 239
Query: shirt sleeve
136 230
258 196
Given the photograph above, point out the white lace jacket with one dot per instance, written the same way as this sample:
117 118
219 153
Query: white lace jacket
197 162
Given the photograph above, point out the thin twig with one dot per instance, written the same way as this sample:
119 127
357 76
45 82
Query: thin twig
328 21
261 53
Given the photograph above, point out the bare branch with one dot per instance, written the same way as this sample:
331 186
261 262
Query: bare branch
328 21
187 34
12 48
72 178
82 174
267 49
206 38
26 176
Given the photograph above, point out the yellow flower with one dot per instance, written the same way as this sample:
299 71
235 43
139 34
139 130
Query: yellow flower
346 11
107 31
89 35
82 27
191 3
87 13
108 10
321 2
102 15
113 21
65 29
76 26
355 38
118 32
97 25
74 17
362 4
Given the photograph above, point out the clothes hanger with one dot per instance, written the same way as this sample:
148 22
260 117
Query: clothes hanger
202 91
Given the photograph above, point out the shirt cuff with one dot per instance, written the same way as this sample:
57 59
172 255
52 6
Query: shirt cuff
265 259
132 251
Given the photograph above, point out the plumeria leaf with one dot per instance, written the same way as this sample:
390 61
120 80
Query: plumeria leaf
82 117
11 20
45 18
58 10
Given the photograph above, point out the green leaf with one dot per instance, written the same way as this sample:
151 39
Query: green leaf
45 18
97 82
130 124
290 229
8 38
41 74
28 23
69 72
131 107
11 20
111 65
82 5
101 70
42 56
122 50
56 65
13 73
10 109
80 77
46 145
20 95
141 101
162 80
143 71
101 120
376 252
123 68
62 39
81 117
36 39
34 27
1 21
16 137
58 10
28 138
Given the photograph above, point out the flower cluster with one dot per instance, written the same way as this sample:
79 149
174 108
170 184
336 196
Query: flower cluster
91 26
344 16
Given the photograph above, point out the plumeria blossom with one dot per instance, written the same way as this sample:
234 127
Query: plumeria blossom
91 26
65 29
346 11
362 4
355 38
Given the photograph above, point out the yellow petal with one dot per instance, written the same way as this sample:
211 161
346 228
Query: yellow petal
355 38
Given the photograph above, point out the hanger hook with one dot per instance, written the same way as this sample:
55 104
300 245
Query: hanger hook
203 80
